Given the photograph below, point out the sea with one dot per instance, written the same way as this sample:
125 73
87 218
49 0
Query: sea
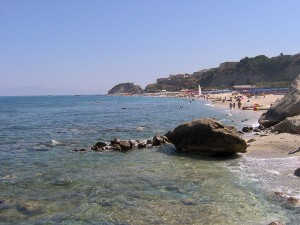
43 181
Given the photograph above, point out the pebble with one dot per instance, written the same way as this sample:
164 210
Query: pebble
293 200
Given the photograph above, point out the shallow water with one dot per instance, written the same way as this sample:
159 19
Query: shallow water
42 181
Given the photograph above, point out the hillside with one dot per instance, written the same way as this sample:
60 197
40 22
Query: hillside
276 71
126 88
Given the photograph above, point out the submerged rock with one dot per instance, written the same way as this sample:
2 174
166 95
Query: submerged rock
206 137
293 200
173 188
188 201
5 204
79 150
29 208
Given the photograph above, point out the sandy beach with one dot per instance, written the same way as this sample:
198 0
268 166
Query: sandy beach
263 144
264 101
273 145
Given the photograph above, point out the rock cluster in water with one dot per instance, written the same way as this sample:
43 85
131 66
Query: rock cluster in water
203 136
125 145
284 116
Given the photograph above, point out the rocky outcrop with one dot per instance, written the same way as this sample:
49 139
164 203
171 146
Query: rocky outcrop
125 88
288 106
206 137
289 125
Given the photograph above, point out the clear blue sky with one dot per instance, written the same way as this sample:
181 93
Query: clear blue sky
88 46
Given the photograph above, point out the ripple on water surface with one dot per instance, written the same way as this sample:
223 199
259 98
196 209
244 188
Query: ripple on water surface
140 187
43 182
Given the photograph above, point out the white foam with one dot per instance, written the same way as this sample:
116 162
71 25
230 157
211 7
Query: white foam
273 172
140 128
209 105
52 143
267 175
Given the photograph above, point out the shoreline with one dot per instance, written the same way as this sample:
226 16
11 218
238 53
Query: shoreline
273 145
264 144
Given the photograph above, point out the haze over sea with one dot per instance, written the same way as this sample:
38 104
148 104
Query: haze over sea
42 181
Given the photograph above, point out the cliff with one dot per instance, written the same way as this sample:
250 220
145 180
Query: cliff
277 71
126 88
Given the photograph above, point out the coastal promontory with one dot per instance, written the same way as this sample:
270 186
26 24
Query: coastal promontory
125 88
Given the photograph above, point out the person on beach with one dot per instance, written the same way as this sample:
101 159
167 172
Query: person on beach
239 104
230 105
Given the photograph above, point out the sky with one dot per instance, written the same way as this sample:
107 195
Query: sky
87 46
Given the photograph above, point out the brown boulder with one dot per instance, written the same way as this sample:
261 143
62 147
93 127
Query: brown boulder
206 137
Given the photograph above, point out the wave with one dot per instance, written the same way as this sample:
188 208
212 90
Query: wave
268 175
52 143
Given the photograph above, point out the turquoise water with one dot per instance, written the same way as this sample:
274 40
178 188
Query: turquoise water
42 181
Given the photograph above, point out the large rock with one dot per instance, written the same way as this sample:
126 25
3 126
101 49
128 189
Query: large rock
289 125
288 106
207 137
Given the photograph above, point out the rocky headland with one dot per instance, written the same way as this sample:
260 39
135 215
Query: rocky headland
125 88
